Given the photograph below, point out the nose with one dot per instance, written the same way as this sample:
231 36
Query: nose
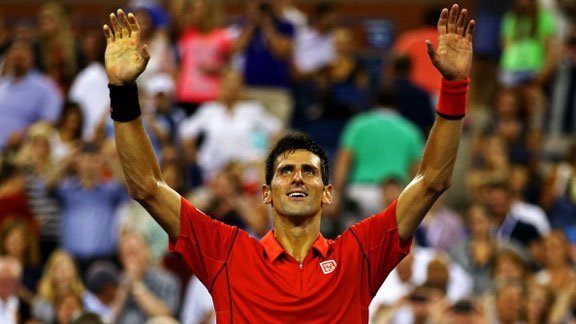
297 178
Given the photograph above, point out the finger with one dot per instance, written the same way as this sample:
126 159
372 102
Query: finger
116 26
461 22
145 52
431 51
470 30
442 21
134 26
108 33
452 17
124 22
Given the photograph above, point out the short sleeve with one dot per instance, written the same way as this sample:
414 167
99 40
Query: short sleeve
381 244
203 243
349 135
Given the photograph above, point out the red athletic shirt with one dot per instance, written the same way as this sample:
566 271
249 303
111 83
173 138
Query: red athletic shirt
258 282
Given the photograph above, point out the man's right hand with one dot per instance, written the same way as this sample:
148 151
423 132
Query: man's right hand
125 57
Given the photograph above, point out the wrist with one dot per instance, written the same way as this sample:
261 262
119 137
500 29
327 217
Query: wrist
453 98
124 102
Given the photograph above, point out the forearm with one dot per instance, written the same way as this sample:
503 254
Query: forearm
280 45
440 154
137 158
242 41
148 302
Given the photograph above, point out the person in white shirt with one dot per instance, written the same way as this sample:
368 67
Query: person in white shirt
10 275
234 129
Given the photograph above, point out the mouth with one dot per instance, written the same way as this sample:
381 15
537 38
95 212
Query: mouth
297 195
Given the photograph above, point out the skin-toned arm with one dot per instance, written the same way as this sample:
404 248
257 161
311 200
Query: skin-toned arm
453 58
125 59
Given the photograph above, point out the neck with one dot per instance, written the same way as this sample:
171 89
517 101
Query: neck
296 238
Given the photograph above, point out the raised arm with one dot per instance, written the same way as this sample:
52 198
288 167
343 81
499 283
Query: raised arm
125 59
453 58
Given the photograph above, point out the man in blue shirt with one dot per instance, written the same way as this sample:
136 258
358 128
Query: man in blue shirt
266 42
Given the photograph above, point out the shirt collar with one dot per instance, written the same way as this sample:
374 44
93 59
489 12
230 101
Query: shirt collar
273 248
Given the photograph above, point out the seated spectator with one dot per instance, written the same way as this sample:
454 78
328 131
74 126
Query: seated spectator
558 268
234 129
26 97
102 281
146 290
476 255
18 242
12 309
57 49
512 226
68 308
441 229
540 300
508 305
59 279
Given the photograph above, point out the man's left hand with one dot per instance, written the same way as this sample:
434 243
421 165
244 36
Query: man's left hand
453 57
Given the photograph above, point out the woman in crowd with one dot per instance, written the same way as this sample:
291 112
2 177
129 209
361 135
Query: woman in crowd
59 279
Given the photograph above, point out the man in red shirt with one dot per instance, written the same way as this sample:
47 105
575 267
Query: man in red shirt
293 273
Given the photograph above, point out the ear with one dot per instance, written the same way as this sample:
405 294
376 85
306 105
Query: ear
327 195
266 194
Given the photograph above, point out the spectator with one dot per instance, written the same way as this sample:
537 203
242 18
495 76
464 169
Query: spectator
17 241
160 90
233 128
89 203
413 101
204 48
558 269
558 195
378 135
266 42
411 44
68 308
35 157
25 96
540 300
313 52
13 198
57 50
562 116
59 279
441 229
508 303
12 309
344 82
146 290
197 306
512 226
67 135
102 281
162 60
90 86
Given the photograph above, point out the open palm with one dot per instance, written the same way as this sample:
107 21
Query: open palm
453 56
125 57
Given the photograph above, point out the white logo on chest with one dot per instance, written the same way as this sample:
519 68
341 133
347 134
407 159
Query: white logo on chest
328 266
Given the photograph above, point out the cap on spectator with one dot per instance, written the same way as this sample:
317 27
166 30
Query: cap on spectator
100 275
160 83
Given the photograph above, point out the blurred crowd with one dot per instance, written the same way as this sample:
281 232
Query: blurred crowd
499 248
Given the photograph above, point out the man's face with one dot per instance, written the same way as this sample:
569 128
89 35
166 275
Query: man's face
20 58
498 202
297 189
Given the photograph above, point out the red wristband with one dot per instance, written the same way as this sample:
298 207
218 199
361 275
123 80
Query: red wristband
452 99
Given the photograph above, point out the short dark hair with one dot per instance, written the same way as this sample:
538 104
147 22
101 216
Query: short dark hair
297 141
324 8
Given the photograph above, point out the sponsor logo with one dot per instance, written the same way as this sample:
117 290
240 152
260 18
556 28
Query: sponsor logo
328 266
